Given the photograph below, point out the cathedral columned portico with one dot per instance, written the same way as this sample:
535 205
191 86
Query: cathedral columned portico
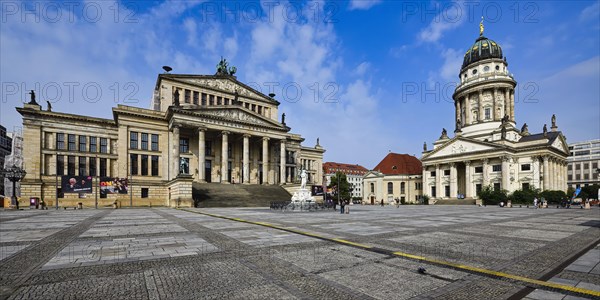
487 148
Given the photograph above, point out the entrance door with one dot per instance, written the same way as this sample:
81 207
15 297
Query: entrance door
260 174
208 170
372 200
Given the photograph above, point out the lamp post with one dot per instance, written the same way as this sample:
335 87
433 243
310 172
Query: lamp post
14 174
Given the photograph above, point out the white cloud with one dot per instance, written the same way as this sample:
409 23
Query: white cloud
361 69
451 18
452 62
362 4
591 12
190 27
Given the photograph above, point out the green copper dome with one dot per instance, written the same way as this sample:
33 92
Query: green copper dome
483 48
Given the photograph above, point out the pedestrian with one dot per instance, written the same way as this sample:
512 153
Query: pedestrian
17 204
535 202
381 202
397 203
347 206
341 206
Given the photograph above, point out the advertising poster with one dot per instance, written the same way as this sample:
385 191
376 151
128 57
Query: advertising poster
76 184
109 185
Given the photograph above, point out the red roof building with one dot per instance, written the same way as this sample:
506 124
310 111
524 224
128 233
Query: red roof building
354 175
397 164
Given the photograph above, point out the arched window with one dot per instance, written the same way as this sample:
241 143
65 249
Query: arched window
372 187
402 188
390 188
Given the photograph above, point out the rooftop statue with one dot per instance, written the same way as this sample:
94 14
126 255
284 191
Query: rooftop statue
224 69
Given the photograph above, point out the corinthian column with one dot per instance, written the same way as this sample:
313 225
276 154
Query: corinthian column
201 154
505 173
282 163
246 159
453 181
224 156
175 163
265 160
468 180
546 174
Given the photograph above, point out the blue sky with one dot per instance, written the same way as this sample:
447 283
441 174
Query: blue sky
340 69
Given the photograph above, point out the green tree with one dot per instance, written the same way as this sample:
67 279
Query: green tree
489 196
344 186
553 197
524 196
589 192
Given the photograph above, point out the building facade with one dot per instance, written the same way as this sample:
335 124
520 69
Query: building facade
584 162
396 177
487 148
5 150
354 175
201 128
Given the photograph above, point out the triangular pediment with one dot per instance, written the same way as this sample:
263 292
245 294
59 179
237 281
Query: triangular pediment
372 174
236 114
561 144
460 146
224 84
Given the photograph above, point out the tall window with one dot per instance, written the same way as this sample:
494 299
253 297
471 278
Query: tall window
390 188
402 188
211 100
144 141
144 165
433 192
203 99
71 138
82 166
208 148
60 165
134 164
446 172
93 166
103 167
479 169
196 97
133 140
60 141
154 146
103 145
496 186
184 145
187 96
144 192
447 190
93 145
488 114
82 143
372 188
71 165
154 165
478 188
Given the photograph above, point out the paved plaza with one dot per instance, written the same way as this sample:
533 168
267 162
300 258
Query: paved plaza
372 253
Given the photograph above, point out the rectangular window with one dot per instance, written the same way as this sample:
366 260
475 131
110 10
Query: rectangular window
82 166
488 113
93 145
144 192
60 193
479 169
196 96
211 100
103 167
446 172
432 173
60 165
478 188
577 177
225 101
577 167
103 145
71 138
134 164
144 165
586 176
219 100
133 140
154 165
154 142
82 143
570 167
497 168
71 165
390 188
60 141
569 177
93 166
184 145
144 141
203 99
586 166
595 165
208 148
187 96
433 192
402 188
496 186
525 167
525 186
447 190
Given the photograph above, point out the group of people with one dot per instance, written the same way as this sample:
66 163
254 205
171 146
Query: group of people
344 206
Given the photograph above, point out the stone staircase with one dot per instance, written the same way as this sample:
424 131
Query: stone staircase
455 202
237 195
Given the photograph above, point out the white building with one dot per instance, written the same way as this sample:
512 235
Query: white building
354 175
584 160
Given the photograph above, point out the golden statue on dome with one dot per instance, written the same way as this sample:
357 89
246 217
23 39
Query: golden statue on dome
481 27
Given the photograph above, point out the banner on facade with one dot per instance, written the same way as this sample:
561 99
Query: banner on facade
317 190
76 184
110 185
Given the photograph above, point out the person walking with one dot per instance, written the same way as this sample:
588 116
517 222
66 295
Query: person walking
535 202
347 206
342 205
381 202
397 203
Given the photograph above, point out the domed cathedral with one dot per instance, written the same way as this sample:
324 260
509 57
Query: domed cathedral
487 148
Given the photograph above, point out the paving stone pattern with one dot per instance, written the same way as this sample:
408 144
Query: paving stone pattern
161 253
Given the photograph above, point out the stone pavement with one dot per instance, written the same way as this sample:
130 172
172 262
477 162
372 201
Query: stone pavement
163 253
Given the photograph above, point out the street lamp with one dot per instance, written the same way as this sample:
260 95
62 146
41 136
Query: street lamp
14 174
